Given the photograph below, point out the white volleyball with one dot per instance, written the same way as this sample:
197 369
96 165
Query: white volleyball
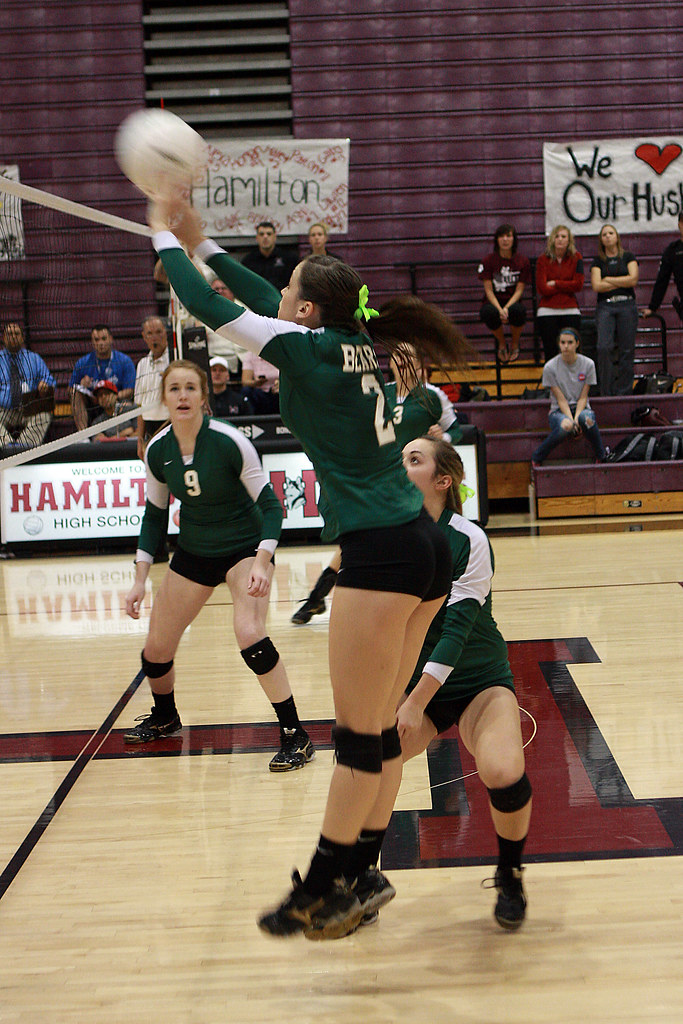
158 151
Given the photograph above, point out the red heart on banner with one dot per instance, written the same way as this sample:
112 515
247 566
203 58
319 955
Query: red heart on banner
656 158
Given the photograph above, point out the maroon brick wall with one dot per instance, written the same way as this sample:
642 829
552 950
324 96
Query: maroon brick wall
70 72
447 110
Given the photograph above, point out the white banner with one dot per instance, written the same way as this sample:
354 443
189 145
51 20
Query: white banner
634 184
64 501
11 221
291 182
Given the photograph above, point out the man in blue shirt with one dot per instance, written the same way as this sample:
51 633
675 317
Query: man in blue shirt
103 363
26 392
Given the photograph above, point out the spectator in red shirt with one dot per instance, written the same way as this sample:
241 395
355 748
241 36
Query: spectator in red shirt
559 276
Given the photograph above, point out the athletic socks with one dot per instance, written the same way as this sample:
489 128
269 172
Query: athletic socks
287 714
330 861
164 705
365 853
510 852
323 585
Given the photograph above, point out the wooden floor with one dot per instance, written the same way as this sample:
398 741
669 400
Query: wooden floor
131 880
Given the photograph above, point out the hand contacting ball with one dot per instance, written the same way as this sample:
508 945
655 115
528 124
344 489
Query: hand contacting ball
158 151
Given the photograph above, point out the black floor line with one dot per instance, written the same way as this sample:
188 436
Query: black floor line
89 750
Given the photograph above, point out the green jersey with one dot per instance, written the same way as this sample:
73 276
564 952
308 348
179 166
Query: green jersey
419 410
227 503
332 393
464 648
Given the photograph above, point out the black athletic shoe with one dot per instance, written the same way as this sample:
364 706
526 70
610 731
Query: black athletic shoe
676 303
374 890
510 908
330 916
310 607
151 728
296 750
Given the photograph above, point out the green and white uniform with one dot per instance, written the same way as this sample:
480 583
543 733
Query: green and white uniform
419 410
464 648
227 503
326 375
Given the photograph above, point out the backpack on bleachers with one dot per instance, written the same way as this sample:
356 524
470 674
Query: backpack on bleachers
654 384
669 446
649 416
639 448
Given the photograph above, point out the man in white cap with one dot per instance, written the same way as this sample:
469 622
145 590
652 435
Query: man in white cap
227 402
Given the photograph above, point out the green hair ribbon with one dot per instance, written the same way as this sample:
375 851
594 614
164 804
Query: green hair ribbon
363 308
465 493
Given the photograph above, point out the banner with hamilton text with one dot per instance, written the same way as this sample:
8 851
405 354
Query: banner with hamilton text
635 184
291 182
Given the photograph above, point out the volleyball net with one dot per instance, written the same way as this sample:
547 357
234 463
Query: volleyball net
64 269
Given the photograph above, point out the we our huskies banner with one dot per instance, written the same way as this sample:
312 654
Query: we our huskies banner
291 182
635 184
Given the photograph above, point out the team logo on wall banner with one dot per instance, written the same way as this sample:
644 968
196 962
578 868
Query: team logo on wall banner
291 182
634 184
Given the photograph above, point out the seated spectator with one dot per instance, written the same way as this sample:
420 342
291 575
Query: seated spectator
267 259
27 392
226 401
559 276
107 397
103 363
569 376
504 274
148 376
261 384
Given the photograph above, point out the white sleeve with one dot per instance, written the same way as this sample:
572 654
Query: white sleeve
253 332
447 411
158 493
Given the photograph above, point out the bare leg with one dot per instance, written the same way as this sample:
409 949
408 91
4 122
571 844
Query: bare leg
491 731
249 624
176 605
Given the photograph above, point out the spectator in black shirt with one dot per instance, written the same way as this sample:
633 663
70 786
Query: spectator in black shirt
670 263
268 260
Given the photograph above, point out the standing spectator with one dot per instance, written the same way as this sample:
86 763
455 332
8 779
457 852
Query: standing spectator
670 263
148 376
261 384
318 238
267 259
559 276
226 401
106 395
569 376
505 274
26 391
614 275
103 363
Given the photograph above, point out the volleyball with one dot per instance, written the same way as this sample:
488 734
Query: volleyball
159 152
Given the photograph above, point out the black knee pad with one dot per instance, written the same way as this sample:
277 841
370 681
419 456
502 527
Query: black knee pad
155 669
391 744
359 750
261 657
511 798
